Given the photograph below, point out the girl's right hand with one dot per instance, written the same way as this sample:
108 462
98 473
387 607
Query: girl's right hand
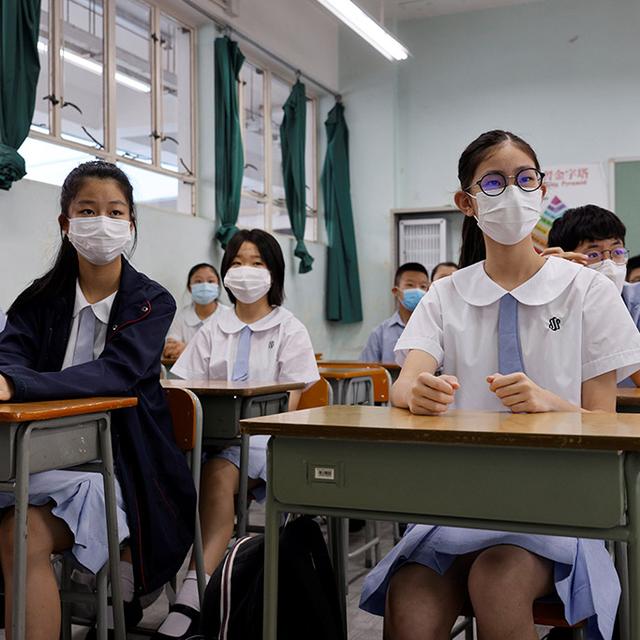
173 348
432 395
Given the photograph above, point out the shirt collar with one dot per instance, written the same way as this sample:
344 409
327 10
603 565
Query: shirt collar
396 319
101 309
478 289
230 323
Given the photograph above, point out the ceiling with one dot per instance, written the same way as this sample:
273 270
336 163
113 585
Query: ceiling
392 10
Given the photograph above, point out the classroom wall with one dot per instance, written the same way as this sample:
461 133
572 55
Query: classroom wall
565 74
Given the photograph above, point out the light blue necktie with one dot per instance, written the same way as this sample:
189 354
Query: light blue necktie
509 352
241 365
83 351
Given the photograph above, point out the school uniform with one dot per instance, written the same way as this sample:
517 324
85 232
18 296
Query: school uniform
275 348
631 298
157 502
382 340
565 325
187 322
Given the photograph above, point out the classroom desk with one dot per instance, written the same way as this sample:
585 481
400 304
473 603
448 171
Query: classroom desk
628 400
556 473
224 404
350 385
42 436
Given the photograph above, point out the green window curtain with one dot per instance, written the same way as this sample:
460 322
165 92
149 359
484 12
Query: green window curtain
19 70
293 132
343 302
229 155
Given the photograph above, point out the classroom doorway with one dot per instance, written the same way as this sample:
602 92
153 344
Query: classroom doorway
427 236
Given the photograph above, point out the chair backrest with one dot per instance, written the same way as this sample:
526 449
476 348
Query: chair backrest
184 407
380 376
317 395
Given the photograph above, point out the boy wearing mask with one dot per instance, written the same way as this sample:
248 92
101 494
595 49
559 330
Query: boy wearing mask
411 282
595 237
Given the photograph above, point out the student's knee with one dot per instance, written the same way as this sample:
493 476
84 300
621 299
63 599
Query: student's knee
220 478
498 578
39 536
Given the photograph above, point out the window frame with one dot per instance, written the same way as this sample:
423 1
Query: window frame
267 199
109 153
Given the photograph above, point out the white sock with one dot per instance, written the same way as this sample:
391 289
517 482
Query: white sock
176 624
126 588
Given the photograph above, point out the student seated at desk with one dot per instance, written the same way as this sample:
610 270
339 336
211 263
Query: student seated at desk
442 270
203 283
515 332
256 341
410 283
94 326
595 237
633 269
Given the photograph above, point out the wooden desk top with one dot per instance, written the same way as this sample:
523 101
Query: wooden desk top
603 431
628 397
390 366
344 373
225 388
31 411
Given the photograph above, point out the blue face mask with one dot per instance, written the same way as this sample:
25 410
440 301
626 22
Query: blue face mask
204 292
411 298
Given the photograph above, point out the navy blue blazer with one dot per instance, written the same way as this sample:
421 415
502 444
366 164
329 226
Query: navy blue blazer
156 482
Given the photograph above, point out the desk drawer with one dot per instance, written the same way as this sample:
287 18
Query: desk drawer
54 448
546 486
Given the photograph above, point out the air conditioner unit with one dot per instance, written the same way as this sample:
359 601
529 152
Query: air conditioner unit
423 241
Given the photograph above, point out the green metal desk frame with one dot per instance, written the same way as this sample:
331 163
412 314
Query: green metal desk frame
583 493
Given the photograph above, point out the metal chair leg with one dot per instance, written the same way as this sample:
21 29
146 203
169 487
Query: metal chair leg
102 598
65 607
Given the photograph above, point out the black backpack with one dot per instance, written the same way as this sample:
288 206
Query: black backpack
308 604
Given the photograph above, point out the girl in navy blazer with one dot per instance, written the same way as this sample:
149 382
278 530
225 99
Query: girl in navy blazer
94 326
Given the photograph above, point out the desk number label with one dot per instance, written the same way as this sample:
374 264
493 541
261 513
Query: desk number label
328 474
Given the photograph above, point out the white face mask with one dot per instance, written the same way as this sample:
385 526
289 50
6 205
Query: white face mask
99 239
615 272
248 284
509 217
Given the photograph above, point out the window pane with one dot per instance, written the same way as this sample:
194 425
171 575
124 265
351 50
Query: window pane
133 80
251 214
40 119
252 83
82 67
50 163
280 91
159 190
281 224
176 96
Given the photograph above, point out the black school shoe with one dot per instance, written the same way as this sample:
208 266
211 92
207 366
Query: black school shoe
192 629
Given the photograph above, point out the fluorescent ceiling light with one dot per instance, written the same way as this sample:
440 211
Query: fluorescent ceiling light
366 27
96 68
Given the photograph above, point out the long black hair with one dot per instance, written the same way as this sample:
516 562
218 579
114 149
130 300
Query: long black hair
473 249
62 276
270 252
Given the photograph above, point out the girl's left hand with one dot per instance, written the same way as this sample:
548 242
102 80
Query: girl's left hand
521 395
6 389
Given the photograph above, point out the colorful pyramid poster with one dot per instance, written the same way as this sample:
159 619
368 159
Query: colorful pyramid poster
554 210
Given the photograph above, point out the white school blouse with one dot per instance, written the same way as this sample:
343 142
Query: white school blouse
102 310
281 349
187 322
572 322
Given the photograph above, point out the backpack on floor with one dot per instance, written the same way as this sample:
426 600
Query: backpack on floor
308 603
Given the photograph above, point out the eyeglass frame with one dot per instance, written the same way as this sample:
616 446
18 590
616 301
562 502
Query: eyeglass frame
507 179
609 251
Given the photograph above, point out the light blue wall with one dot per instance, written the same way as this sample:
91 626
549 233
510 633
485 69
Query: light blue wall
520 68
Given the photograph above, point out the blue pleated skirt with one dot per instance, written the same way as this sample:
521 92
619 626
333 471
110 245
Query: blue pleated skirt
78 499
584 574
257 462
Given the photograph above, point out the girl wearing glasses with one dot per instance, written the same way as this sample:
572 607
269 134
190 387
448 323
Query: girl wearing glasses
511 332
